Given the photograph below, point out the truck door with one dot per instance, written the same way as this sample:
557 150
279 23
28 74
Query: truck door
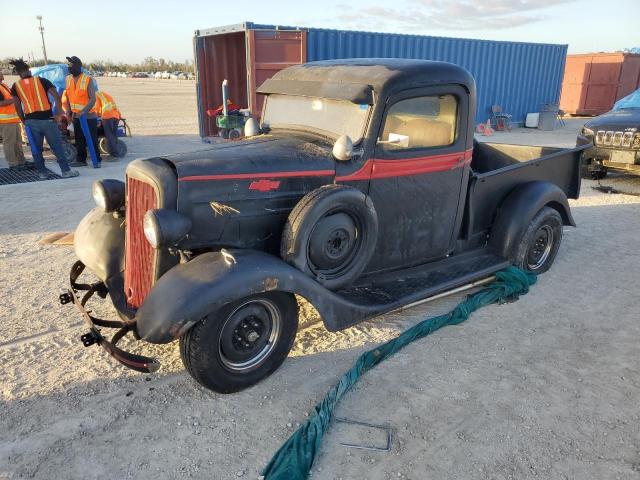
419 169
270 51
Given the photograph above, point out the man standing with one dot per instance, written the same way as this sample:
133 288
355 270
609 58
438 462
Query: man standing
81 95
10 128
110 116
34 109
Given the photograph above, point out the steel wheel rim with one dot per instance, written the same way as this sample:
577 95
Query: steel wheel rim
354 244
260 356
540 251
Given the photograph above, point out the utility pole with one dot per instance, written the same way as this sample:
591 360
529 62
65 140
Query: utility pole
44 49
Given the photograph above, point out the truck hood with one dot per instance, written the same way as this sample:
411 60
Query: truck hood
261 156
239 194
618 120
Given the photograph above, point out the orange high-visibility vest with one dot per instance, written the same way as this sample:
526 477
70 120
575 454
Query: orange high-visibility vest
64 100
106 106
78 91
32 95
8 112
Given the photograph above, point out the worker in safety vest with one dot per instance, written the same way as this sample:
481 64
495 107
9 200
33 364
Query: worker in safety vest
10 128
36 112
81 95
110 116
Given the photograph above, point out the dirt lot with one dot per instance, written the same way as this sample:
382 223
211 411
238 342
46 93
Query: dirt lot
547 387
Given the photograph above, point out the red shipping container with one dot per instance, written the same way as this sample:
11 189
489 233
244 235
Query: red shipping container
593 82
246 58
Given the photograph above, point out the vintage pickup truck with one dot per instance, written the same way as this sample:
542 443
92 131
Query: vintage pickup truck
361 190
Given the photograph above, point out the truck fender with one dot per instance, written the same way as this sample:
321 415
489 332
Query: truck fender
190 291
518 209
99 243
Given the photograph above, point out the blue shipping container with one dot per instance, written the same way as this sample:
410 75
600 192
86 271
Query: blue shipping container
518 76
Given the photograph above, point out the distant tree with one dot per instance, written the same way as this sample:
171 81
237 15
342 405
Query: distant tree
149 64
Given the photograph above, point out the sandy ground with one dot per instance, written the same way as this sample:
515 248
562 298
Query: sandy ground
547 387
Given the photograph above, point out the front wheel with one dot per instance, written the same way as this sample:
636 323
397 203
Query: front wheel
70 152
242 343
540 243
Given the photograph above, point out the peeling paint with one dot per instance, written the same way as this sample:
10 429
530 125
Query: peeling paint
220 209
270 283
228 257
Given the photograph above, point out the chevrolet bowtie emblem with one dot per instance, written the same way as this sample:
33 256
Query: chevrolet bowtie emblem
264 185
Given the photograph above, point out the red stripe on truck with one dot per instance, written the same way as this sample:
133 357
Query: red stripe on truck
253 176
376 168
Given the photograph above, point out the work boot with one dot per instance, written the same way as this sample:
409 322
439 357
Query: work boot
70 174
78 163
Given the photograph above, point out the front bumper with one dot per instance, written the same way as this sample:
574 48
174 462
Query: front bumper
94 336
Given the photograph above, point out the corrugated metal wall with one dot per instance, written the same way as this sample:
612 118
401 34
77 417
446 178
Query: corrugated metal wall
594 82
218 57
517 76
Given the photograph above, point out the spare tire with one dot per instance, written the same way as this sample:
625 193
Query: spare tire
331 235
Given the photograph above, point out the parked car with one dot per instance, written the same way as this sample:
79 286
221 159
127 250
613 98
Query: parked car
363 191
615 137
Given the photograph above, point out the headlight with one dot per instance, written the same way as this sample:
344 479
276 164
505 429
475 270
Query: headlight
108 194
164 227
587 132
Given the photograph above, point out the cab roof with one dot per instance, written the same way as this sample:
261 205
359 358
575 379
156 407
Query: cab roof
355 79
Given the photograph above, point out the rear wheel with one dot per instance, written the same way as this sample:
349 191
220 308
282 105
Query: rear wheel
121 148
242 343
540 243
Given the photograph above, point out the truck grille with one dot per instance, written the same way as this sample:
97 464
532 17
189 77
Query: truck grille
614 139
139 254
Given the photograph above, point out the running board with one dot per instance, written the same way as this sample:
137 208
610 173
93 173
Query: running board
397 290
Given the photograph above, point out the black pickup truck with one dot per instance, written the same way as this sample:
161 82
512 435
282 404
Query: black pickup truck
361 190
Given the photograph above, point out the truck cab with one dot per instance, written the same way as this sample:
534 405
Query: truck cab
362 191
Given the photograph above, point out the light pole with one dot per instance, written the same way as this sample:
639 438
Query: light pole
44 49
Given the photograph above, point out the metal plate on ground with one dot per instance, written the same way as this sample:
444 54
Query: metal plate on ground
26 174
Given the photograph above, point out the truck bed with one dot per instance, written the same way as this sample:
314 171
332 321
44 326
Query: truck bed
498 168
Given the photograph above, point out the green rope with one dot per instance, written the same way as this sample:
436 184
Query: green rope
294 459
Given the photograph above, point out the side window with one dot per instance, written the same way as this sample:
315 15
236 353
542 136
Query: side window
421 122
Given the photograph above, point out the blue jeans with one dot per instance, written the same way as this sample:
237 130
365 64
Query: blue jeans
41 129
110 126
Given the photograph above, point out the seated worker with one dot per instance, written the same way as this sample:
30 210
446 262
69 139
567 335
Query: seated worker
110 115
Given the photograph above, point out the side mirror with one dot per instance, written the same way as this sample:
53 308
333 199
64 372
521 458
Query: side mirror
251 128
343 148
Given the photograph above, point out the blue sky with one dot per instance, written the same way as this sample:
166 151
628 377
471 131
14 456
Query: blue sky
120 30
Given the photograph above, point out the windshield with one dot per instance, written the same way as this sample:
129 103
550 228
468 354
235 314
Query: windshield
630 101
335 117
